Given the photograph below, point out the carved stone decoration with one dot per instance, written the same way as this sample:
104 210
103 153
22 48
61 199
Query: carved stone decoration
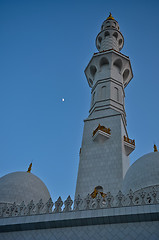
7 212
39 207
22 208
137 200
146 196
98 200
16 211
11 209
157 197
49 206
4 210
30 207
88 201
154 194
120 198
58 205
77 203
109 200
1 212
68 203
131 195
142 194
149 199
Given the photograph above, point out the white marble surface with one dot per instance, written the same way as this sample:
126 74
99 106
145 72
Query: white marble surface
22 186
144 172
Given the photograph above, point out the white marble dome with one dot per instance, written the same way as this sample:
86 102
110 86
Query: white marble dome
22 186
142 173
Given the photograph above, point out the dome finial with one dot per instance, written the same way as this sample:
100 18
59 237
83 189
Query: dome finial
110 17
155 148
29 168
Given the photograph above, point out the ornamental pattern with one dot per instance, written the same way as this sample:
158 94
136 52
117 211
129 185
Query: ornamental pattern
146 196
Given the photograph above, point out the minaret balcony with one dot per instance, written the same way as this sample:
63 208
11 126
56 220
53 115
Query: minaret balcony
109 64
129 145
101 133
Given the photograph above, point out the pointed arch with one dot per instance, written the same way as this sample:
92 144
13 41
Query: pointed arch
106 34
115 34
103 61
108 24
118 64
99 39
125 74
120 42
93 70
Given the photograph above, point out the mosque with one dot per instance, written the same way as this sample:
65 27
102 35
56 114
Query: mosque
113 200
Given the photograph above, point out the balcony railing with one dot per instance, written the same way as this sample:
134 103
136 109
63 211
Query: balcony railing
103 129
128 140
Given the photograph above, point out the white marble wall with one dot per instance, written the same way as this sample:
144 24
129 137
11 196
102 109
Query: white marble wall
102 162
128 223
126 231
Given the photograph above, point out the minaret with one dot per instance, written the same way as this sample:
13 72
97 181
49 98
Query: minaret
104 154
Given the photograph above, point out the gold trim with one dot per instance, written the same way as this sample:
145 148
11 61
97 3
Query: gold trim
110 17
95 192
155 148
128 140
29 168
103 129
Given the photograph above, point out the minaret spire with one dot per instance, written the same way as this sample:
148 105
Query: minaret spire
110 17
110 36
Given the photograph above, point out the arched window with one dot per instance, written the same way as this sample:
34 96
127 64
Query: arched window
108 24
106 34
103 61
125 74
93 70
120 42
118 64
115 34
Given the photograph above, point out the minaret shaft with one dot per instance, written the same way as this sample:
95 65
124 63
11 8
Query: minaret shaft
104 156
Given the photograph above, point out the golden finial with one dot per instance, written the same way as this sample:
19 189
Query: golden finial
155 148
110 17
29 168
97 190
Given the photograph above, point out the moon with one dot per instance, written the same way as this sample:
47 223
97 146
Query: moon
63 99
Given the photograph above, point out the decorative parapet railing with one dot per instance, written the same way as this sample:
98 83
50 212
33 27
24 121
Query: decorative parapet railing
144 196
129 145
103 129
128 140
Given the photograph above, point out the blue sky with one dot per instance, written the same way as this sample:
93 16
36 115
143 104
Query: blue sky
44 49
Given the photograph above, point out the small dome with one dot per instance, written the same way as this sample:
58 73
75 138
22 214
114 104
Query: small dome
22 186
142 173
